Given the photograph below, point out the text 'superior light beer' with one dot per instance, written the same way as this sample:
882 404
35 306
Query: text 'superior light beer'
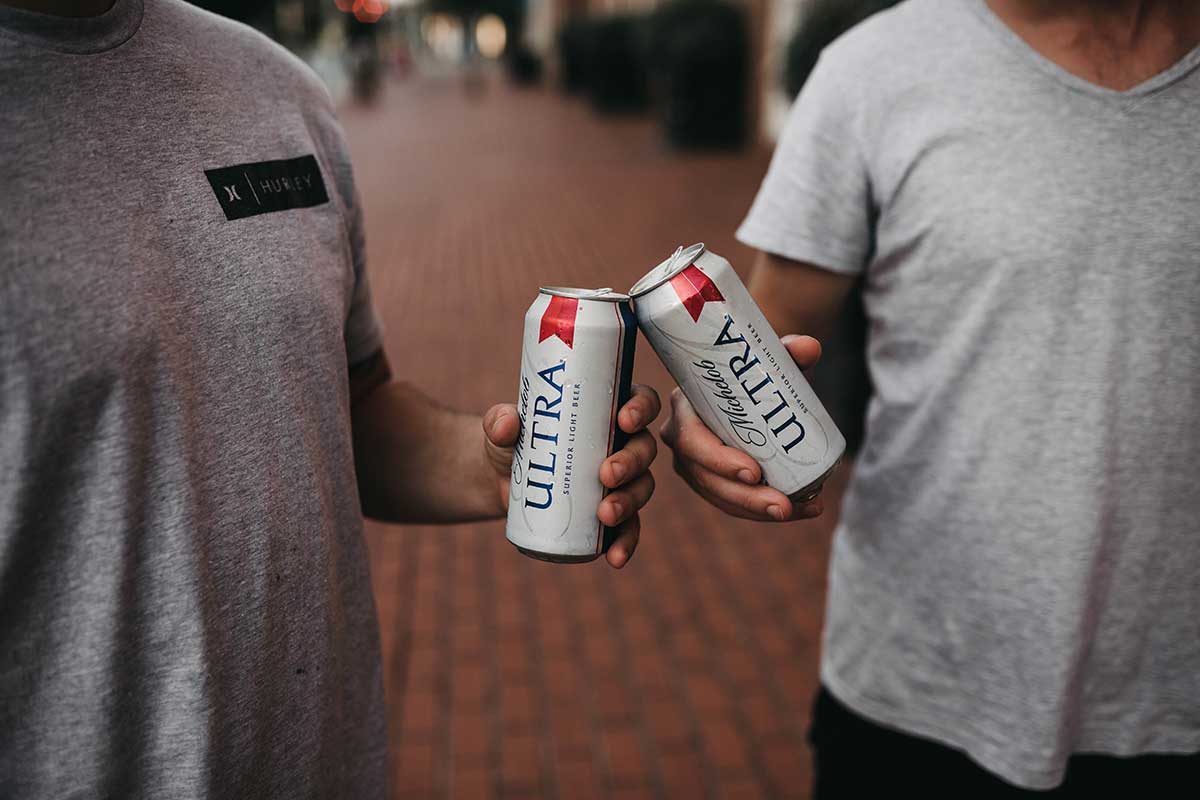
576 368
730 364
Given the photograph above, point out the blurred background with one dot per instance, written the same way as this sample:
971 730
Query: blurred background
500 145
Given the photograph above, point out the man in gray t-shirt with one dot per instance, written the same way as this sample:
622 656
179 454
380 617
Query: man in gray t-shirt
1016 572
194 411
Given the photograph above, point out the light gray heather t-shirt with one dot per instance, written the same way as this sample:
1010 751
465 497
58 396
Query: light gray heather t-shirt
1017 570
185 605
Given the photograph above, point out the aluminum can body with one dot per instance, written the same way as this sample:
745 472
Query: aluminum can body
576 371
701 320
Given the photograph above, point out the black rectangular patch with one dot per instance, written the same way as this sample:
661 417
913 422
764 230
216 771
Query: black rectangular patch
260 188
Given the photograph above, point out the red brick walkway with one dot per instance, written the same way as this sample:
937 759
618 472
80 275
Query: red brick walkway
687 675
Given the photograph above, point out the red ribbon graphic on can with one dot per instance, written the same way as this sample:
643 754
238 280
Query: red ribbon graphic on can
694 289
559 320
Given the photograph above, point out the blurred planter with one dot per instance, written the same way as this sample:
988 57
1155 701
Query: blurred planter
524 66
700 51
616 68
574 53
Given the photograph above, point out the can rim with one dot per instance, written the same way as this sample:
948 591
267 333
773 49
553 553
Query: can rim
681 259
606 294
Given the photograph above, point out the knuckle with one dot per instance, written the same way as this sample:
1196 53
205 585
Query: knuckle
712 458
731 467
741 497
706 481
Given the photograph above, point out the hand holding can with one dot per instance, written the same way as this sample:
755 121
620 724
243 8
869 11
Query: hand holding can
579 468
739 385
725 476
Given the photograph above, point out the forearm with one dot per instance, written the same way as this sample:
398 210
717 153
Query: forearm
418 462
797 297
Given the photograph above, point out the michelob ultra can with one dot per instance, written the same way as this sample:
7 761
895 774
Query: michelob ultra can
576 369
735 371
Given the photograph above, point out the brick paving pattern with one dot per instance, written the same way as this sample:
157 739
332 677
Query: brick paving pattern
689 674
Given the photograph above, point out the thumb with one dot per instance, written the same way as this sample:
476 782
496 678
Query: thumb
501 425
804 350
681 406
679 412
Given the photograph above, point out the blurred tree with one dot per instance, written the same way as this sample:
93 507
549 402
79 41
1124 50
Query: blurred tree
257 13
825 21
314 17
701 56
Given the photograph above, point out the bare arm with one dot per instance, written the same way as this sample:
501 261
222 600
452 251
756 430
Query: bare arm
419 462
794 297
798 297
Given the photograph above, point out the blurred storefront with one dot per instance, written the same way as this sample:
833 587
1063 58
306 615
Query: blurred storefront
445 35
771 26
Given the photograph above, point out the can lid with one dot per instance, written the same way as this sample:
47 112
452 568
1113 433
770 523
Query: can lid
604 295
681 259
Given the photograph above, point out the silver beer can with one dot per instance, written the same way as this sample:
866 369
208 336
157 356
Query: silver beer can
576 371
732 367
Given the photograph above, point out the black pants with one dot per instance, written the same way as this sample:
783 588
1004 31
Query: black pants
855 758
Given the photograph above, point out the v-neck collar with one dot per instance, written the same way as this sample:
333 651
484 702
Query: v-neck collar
1155 83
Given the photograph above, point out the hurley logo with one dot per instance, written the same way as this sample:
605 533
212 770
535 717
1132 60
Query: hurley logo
246 190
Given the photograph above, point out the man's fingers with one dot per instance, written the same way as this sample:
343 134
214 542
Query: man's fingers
693 441
811 509
804 350
618 506
630 461
750 502
628 534
501 425
640 410
737 511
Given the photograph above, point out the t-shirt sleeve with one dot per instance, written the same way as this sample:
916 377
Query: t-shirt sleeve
815 203
363 330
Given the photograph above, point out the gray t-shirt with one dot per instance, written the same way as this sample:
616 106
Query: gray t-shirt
185 605
1017 569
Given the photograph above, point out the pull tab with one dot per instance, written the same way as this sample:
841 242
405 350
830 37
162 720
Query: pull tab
674 258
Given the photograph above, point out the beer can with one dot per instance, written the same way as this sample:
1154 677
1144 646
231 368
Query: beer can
732 367
576 370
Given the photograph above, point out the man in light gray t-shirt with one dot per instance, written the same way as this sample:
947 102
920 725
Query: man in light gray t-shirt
195 410
1016 572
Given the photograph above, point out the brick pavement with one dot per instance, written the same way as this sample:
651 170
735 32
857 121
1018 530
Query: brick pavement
687 675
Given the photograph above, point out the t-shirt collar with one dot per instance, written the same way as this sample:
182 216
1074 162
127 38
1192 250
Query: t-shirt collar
73 34
1155 83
